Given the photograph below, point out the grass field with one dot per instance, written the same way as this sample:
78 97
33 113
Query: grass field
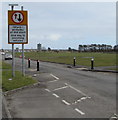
100 59
17 81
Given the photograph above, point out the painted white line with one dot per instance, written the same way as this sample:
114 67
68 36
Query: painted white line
55 95
52 81
47 90
60 88
79 111
65 102
81 99
54 76
76 89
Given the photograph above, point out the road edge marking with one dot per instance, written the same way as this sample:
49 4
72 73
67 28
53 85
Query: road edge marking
54 76
55 95
79 111
65 102
47 90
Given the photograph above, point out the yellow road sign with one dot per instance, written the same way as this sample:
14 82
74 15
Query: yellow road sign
17 27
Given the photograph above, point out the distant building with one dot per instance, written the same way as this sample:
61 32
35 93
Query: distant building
39 47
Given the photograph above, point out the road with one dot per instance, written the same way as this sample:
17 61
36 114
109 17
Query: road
64 93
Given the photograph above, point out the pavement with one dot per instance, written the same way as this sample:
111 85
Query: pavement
64 93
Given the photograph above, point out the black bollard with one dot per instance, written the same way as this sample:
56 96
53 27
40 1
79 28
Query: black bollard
92 64
74 61
37 65
28 63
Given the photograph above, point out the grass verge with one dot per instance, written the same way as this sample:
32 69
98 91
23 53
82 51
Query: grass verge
9 83
100 59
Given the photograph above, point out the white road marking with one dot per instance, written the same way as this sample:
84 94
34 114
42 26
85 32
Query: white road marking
47 90
54 76
65 102
52 81
55 95
81 99
76 89
79 111
60 88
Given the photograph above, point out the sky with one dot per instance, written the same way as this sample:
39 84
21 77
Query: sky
60 25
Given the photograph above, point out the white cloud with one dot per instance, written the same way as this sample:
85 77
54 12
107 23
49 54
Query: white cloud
54 37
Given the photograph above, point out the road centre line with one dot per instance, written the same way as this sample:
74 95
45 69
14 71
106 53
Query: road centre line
55 95
47 90
60 88
75 89
79 111
54 76
65 102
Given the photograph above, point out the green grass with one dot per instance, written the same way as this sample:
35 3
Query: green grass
6 66
17 81
101 59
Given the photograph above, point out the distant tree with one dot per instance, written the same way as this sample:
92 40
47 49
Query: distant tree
69 49
115 48
85 47
49 49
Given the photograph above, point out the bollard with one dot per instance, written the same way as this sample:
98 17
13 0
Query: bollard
92 64
28 63
37 65
74 61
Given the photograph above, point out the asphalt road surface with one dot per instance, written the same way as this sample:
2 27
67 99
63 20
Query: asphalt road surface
64 93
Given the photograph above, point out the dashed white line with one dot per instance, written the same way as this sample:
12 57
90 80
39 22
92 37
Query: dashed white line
54 76
65 102
76 89
81 99
47 90
55 95
60 88
79 111
52 81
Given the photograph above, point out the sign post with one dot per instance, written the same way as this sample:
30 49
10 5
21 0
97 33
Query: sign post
17 32
23 67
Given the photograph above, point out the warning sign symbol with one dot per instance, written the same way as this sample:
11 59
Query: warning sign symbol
17 17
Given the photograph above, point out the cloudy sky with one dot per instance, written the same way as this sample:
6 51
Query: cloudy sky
61 25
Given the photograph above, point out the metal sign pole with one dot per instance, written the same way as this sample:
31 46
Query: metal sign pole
13 61
23 68
13 53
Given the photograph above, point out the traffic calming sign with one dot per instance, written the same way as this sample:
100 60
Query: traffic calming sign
17 17
17 27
